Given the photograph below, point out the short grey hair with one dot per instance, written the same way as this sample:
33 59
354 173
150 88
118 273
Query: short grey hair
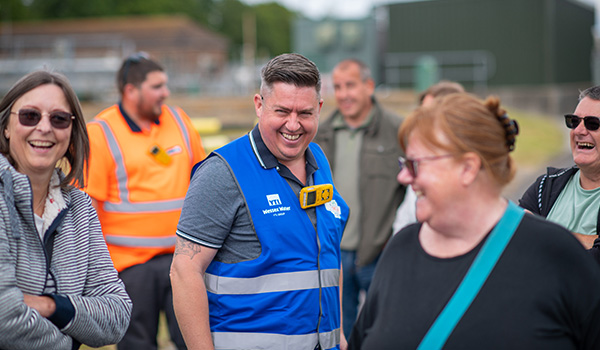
365 71
592 92
290 68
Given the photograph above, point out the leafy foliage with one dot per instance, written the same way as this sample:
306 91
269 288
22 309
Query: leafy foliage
274 29
227 19
273 21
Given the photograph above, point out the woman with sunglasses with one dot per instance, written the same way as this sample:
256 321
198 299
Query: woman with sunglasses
571 196
58 286
476 272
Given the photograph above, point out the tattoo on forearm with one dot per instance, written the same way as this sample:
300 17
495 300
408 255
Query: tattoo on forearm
187 248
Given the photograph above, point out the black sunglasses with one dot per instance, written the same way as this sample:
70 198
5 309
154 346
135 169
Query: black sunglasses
31 117
412 165
134 58
590 123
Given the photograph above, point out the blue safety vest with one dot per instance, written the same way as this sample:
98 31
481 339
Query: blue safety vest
288 297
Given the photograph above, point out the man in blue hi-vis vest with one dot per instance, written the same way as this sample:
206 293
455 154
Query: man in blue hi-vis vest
257 260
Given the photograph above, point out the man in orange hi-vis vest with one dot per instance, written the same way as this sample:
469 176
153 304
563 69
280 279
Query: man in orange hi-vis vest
141 156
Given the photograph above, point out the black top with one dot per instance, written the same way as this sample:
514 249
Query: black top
544 293
543 193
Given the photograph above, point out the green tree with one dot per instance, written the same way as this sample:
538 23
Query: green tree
53 9
273 26
11 10
227 19
273 21
274 33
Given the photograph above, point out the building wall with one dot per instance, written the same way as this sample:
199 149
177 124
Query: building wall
572 31
90 51
528 42
329 41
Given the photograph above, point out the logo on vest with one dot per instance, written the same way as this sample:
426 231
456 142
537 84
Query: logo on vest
334 208
273 199
277 208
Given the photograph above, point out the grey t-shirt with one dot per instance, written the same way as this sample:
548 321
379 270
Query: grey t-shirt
215 214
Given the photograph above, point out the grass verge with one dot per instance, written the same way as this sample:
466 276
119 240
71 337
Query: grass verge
539 140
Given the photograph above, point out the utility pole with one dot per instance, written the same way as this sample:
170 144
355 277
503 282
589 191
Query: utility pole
249 48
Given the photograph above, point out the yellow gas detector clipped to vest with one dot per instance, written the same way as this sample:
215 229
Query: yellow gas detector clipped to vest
315 195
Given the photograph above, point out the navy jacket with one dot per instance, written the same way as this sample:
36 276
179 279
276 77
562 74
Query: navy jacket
543 193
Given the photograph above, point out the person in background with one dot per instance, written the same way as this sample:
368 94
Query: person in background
142 153
571 196
440 89
360 141
476 272
405 215
257 262
58 286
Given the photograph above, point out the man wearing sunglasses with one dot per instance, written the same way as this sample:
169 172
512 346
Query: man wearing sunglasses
141 156
571 196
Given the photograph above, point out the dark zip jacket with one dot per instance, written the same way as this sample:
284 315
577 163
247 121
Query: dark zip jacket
543 193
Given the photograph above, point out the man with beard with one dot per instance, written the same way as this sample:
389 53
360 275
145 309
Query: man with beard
141 156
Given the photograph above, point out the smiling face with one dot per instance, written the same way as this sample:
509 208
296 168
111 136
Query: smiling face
352 93
36 149
436 183
585 143
288 118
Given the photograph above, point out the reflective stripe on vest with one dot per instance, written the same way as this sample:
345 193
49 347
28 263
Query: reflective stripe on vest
231 340
184 134
278 282
128 241
288 297
125 206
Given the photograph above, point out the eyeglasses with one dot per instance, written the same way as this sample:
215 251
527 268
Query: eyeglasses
134 58
591 123
412 164
31 117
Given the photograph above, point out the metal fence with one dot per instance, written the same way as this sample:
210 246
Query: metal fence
474 67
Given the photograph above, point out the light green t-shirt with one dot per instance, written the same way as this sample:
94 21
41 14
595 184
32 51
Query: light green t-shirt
576 208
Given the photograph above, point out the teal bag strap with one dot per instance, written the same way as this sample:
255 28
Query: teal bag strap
474 279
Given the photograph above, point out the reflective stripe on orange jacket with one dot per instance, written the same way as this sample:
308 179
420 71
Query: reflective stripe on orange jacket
140 197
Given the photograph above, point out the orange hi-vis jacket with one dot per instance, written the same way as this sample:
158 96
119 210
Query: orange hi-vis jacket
139 194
